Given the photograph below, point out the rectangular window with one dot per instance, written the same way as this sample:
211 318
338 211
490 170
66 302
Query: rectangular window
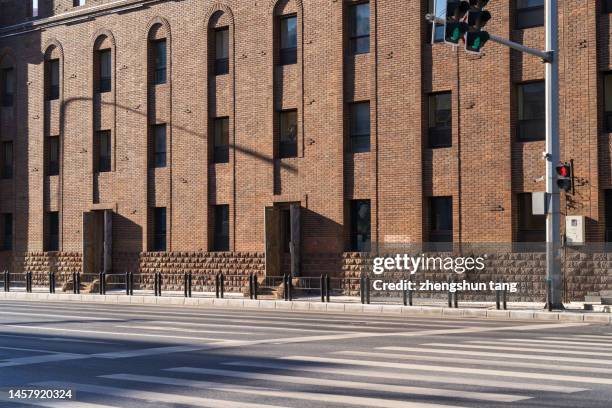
441 219
52 243
222 51
360 223
8 86
440 11
287 138
440 120
77 3
159 145
607 6
221 228
608 102
531 228
359 127
531 112
7 160
7 235
359 28
104 150
608 212
221 140
104 71
529 13
33 8
53 79
288 40
53 150
159 61
159 229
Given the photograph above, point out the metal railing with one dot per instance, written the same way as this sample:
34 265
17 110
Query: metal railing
323 287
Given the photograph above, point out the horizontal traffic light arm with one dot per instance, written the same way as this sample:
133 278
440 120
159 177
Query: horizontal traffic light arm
545 56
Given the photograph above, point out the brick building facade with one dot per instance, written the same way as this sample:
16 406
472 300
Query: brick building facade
224 136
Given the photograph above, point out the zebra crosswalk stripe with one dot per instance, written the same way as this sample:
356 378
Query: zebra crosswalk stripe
528 349
410 377
306 396
458 370
324 382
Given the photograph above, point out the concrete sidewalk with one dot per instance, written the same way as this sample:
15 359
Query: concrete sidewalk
332 307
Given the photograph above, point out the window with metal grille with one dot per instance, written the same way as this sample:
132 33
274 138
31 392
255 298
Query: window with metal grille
159 145
359 28
531 112
288 40
359 127
52 241
8 86
104 148
159 229
221 140
287 138
53 150
158 50
221 228
440 120
222 51
53 79
104 71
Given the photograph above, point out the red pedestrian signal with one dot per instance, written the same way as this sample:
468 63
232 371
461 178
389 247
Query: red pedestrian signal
565 177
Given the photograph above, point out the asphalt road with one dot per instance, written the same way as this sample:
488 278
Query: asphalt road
154 356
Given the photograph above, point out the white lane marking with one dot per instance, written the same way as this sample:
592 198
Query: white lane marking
155 396
60 339
458 370
455 352
164 350
30 349
326 382
307 396
572 340
59 316
528 349
497 362
179 329
58 403
593 336
49 358
539 343
113 333
246 326
388 375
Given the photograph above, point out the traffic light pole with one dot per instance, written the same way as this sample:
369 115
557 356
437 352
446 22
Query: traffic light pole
552 155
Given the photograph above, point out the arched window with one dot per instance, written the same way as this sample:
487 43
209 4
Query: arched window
103 64
158 55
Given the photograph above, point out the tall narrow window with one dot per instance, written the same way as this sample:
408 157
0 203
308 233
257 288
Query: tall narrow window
221 140
159 229
359 127
288 40
359 28
608 212
104 150
158 158
8 86
7 160
53 79
222 51
104 71
77 3
221 228
33 8
287 140
608 102
441 219
7 231
440 120
607 6
52 238
531 228
158 49
360 224
440 11
53 150
531 112
529 13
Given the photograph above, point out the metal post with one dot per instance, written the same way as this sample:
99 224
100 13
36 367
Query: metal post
28 281
255 286
289 287
327 288
504 299
285 288
367 289
217 285
450 295
78 283
159 284
100 283
222 285
553 218
127 283
190 281
362 288
7 285
497 299
185 284
322 285
51 282
409 294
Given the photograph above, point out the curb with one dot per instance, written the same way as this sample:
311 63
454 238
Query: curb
348 308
